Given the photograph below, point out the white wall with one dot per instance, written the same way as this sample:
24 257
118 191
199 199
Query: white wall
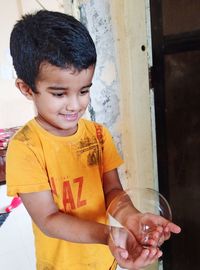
15 109
16 238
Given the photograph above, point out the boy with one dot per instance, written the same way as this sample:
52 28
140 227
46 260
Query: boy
63 167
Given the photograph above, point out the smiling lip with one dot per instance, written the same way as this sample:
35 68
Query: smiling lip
71 116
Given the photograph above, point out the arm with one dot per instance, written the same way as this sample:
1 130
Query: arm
53 223
111 186
129 253
130 217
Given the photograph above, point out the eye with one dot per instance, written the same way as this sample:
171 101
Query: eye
85 91
58 94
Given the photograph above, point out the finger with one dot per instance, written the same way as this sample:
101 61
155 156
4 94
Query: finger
154 254
147 257
171 227
167 234
139 262
123 253
152 238
158 239
150 242
166 224
132 261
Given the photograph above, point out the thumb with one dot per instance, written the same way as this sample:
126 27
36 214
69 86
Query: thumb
123 253
173 228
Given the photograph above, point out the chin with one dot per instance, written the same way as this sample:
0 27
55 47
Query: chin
68 127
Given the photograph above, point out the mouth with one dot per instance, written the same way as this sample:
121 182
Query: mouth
70 116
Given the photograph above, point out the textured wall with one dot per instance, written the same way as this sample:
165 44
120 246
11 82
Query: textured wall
105 98
120 95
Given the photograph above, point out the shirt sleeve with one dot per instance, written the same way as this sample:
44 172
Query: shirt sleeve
25 169
111 156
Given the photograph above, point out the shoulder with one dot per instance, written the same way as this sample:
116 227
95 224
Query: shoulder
94 127
26 134
25 148
97 130
26 142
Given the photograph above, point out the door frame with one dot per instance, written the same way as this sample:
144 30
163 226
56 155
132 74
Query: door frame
161 46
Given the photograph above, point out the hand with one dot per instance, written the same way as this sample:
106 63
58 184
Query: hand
128 252
136 237
150 229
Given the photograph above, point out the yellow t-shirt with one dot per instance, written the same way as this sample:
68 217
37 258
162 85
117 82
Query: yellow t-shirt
71 167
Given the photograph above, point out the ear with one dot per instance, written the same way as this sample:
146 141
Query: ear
24 89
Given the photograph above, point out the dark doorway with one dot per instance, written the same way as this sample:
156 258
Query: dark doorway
176 82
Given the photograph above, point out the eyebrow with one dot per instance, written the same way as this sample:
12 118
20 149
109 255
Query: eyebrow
66 88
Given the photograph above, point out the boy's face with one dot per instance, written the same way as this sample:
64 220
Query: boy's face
62 98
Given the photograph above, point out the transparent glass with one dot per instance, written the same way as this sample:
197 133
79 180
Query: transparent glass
145 200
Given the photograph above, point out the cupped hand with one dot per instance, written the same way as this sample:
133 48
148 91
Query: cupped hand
128 252
150 229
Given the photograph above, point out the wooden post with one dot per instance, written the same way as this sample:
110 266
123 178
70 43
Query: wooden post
129 24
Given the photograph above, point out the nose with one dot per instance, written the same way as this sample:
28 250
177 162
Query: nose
73 103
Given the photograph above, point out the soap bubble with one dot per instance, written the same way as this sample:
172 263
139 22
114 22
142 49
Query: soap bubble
145 200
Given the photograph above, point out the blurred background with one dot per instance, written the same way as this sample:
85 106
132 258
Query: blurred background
146 90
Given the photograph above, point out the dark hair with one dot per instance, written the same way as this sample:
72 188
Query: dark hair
52 37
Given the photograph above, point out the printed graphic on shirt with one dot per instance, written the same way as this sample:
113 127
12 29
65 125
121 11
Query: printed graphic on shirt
70 201
72 193
88 151
99 134
53 186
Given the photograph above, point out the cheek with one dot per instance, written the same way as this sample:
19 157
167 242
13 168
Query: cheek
85 101
48 105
